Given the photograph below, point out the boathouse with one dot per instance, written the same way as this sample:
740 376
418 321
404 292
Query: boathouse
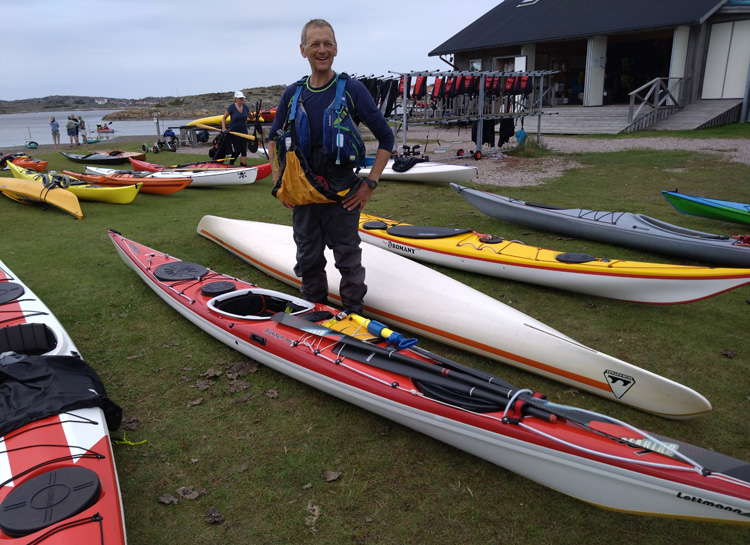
657 61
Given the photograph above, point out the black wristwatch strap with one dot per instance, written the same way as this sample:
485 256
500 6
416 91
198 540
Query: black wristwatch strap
372 184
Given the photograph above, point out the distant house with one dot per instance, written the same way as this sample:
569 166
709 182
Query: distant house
101 100
604 49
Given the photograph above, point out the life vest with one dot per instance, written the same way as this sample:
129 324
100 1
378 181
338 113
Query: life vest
341 138
341 141
517 85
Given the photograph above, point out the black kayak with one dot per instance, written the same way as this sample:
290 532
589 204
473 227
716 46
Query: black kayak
106 157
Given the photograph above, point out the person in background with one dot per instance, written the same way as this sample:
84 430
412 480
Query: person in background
82 129
78 140
333 224
237 113
71 126
55 126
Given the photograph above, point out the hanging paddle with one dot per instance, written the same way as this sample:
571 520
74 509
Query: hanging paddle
257 129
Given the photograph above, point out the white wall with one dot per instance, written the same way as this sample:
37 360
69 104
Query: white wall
678 63
727 60
596 59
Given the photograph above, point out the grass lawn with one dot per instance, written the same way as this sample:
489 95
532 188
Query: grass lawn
255 448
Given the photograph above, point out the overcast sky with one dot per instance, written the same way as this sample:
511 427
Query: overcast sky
139 48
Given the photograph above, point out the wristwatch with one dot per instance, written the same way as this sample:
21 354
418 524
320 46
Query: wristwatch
372 184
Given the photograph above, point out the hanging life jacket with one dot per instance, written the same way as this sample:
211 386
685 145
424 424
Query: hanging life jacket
341 142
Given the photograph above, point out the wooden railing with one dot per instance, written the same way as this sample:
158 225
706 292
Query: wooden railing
657 93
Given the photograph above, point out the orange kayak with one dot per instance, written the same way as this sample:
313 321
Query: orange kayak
23 161
155 186
29 162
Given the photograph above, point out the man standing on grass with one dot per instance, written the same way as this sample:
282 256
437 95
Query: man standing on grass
332 221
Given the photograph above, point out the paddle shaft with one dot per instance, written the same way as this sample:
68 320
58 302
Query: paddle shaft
210 128
480 389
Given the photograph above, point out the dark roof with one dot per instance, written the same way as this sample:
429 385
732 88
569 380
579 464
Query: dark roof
546 20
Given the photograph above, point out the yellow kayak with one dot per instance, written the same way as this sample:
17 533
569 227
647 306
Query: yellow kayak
101 193
216 120
83 190
465 249
28 192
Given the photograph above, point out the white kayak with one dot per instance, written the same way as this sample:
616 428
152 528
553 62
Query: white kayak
417 298
16 299
200 177
58 479
425 172
211 178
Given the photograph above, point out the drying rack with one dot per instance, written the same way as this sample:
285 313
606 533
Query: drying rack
460 97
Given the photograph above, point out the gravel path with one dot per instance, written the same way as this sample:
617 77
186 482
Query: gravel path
733 150
499 169
496 168
511 171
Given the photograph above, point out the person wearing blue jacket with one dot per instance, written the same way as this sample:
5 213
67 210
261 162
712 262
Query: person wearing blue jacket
332 224
55 127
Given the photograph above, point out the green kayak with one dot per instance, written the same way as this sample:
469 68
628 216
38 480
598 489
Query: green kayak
704 207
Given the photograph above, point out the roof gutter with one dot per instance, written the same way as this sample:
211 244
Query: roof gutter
710 13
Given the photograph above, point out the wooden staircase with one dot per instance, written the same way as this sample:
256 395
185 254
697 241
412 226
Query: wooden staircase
614 119
580 120
701 115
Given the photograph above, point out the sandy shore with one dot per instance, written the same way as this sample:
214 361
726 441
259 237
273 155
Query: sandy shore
65 145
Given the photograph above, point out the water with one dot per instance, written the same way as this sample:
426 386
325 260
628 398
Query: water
15 128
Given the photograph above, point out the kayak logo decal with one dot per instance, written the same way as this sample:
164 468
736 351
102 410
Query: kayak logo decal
401 248
709 503
618 383
272 333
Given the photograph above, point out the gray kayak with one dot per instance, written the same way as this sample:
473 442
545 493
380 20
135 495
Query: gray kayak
617 228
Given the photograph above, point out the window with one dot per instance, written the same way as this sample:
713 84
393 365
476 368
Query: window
475 65
504 64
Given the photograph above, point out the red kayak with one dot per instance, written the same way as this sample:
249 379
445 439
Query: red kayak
58 481
144 166
268 115
581 453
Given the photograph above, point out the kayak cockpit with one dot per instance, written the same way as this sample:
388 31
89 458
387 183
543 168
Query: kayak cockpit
257 304
32 339
664 226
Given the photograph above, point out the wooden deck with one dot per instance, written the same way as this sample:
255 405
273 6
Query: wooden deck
614 119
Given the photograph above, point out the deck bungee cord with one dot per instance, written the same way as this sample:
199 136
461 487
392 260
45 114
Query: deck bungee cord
88 453
317 346
72 524
75 419
314 341
25 314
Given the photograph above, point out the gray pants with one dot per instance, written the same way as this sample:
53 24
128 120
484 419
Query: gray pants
315 227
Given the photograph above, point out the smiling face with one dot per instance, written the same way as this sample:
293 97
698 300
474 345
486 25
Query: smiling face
320 49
